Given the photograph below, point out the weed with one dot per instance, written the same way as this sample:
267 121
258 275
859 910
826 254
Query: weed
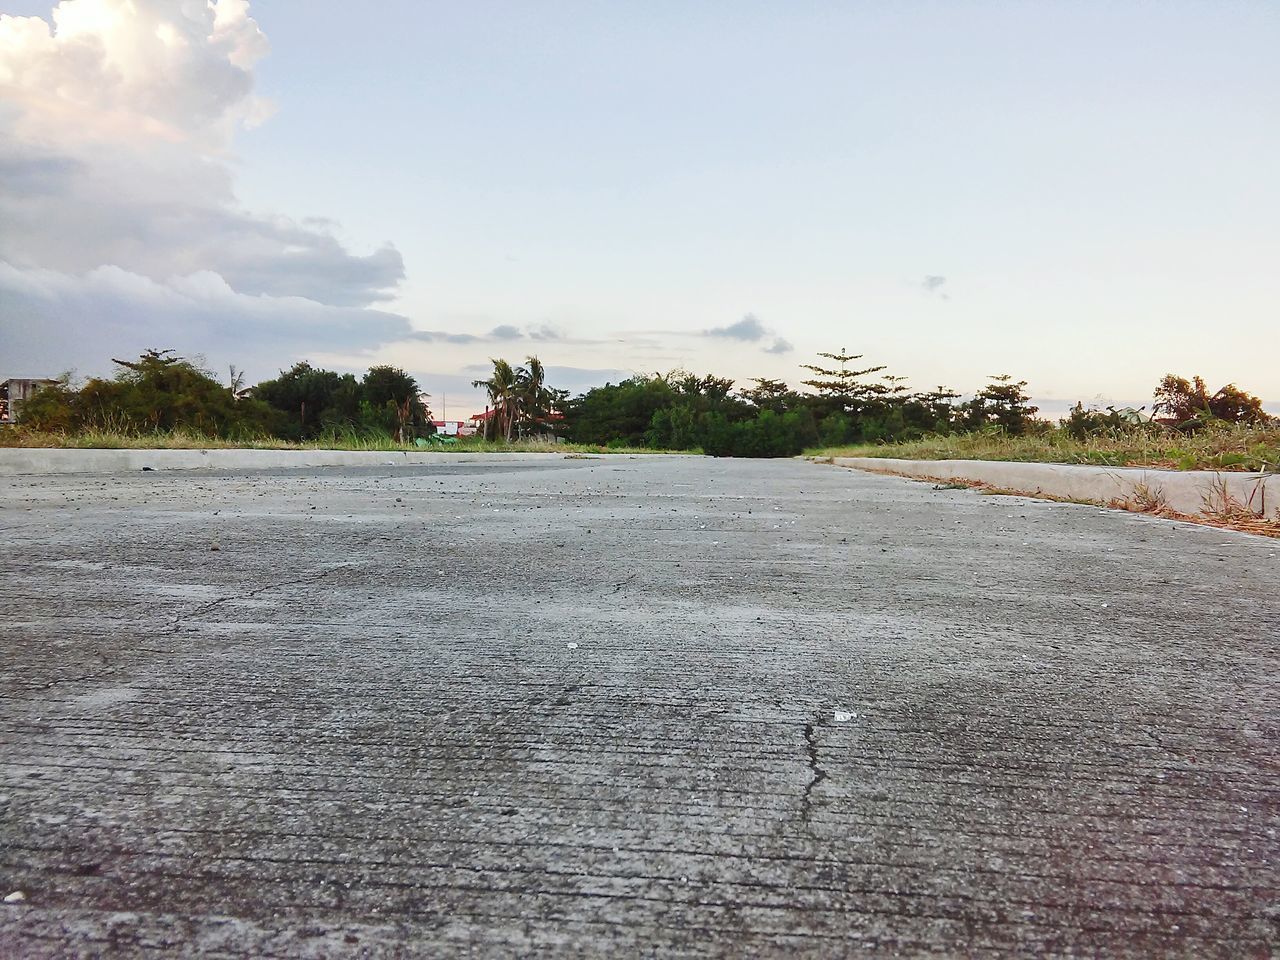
1221 447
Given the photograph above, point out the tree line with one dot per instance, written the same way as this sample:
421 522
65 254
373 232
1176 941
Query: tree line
679 410
848 403
853 404
162 392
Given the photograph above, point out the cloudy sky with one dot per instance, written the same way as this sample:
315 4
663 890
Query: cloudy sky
1081 194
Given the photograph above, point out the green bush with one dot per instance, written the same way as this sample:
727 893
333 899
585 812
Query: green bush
156 392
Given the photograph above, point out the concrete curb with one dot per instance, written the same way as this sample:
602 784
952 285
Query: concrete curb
17 461
1186 491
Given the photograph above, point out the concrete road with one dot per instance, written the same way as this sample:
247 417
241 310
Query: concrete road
629 707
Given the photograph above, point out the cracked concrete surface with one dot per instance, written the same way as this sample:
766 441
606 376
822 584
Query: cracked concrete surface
815 768
588 707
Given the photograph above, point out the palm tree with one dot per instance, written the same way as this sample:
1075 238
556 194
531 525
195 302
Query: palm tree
534 397
502 388
238 391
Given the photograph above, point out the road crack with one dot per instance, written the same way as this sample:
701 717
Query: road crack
617 587
212 605
817 773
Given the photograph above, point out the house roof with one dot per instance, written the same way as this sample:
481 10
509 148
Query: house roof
490 414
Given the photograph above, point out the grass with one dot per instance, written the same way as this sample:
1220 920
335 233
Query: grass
1216 447
187 440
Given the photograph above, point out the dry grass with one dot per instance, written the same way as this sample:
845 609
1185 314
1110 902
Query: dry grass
187 440
1212 448
1234 517
1225 513
1221 510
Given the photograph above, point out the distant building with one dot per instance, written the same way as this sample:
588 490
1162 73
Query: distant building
15 392
544 428
480 420
453 428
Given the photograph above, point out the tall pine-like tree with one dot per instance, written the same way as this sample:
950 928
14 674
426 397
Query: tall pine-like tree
844 386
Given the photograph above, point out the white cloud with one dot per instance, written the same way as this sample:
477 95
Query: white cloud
120 217
113 70
56 321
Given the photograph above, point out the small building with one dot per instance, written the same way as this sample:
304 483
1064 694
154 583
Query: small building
453 428
16 391
542 428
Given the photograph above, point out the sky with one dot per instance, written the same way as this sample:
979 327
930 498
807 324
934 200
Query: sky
1083 195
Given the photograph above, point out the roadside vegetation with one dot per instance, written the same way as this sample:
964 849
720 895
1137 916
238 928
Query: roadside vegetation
846 403
160 394
181 439
1219 446
1190 429
849 409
